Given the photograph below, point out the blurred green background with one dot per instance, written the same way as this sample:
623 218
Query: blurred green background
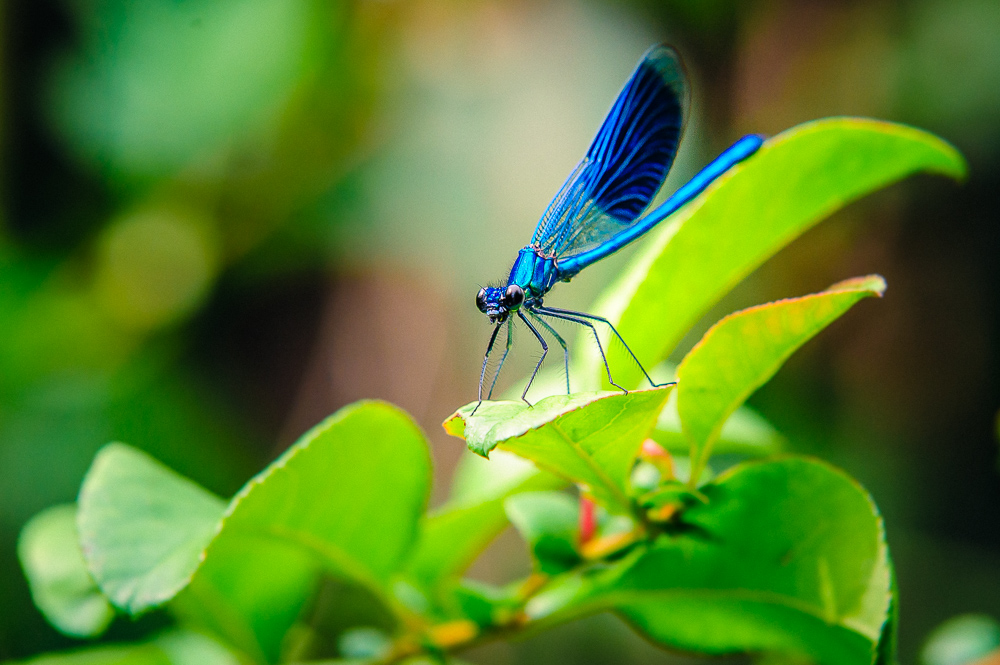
223 220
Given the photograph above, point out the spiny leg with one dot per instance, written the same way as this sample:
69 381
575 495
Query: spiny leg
486 359
597 338
559 339
510 341
584 315
545 350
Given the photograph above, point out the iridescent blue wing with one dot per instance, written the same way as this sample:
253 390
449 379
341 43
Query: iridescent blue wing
625 165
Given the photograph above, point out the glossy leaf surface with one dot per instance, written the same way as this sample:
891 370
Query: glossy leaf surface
350 491
588 438
744 350
143 528
786 556
745 433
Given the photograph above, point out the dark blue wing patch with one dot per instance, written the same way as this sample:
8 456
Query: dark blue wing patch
625 165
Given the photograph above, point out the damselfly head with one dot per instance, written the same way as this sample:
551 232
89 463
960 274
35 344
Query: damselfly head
497 302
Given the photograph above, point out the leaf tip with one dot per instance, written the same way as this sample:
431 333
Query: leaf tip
874 284
455 425
105 453
113 448
955 167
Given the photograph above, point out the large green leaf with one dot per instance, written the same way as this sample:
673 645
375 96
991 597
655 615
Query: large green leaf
350 491
345 498
744 350
454 534
143 528
175 647
786 556
49 550
588 438
795 180
745 433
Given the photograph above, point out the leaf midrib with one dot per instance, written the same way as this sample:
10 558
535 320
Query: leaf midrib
592 465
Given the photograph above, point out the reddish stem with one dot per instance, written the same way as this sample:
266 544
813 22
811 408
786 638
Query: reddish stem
588 523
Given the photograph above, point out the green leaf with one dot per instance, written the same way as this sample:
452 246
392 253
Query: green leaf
745 433
345 498
453 535
742 351
49 550
143 527
175 647
549 523
795 180
350 491
786 556
249 592
588 438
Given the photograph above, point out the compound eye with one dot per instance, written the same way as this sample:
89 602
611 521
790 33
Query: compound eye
513 297
481 300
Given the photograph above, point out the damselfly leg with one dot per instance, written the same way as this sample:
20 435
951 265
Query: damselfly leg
503 358
545 351
555 311
559 339
536 313
486 359
597 338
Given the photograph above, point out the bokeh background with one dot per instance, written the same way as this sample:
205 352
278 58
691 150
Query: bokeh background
222 221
